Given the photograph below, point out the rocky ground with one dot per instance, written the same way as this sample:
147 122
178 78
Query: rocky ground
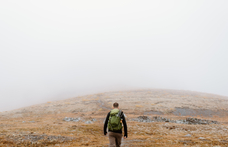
154 117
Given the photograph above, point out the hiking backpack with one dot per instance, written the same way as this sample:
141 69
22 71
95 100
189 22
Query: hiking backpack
115 122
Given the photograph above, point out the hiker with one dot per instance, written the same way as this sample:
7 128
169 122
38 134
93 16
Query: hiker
114 121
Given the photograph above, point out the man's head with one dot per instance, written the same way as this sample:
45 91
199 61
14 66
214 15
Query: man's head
115 105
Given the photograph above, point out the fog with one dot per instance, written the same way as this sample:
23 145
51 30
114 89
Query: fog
52 50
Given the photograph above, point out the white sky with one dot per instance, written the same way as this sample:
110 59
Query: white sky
52 50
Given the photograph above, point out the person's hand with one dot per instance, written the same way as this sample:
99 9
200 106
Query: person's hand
105 134
125 137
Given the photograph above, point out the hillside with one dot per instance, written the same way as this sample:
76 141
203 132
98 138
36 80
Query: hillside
166 116
155 101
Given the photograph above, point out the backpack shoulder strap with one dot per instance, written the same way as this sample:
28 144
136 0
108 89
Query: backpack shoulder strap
120 113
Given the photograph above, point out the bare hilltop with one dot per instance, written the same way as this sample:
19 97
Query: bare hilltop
155 117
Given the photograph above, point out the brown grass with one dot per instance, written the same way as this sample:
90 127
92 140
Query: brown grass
140 134
48 119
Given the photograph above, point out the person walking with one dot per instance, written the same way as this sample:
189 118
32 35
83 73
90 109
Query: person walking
115 120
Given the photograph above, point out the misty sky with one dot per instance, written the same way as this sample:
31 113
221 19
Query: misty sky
51 50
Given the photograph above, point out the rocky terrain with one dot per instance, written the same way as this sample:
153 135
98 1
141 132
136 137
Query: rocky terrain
155 117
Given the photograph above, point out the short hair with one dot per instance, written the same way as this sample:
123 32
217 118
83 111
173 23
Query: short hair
115 105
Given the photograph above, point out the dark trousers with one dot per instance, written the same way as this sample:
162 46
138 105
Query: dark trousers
114 139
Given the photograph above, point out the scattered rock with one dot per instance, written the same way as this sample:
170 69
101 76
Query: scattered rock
89 122
79 119
188 135
72 119
201 138
188 120
161 119
186 141
143 119
199 121
37 138
76 119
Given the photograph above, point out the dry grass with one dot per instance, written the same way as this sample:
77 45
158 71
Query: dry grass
47 120
139 106
140 134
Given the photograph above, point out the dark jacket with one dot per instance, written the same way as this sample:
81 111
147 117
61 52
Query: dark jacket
120 131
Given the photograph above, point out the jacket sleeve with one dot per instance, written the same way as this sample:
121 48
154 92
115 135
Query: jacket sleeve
106 123
125 126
